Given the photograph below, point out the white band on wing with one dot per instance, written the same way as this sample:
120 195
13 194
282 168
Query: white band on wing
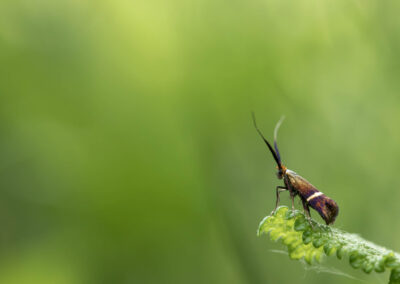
319 193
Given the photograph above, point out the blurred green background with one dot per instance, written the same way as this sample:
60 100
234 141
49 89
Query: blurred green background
127 151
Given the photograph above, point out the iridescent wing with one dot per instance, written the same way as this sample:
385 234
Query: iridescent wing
300 184
325 206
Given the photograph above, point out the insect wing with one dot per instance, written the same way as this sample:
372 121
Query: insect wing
325 206
300 184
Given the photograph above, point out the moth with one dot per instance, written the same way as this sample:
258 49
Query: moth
297 185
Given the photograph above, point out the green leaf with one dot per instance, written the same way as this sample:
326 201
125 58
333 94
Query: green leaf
300 224
395 276
318 242
380 266
293 230
356 260
307 237
329 248
340 252
367 267
275 235
391 261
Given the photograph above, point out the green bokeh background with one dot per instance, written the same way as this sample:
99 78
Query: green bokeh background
127 151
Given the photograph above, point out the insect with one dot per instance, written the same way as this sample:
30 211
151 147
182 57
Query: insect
297 185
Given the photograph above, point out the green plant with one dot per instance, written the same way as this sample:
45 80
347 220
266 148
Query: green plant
303 241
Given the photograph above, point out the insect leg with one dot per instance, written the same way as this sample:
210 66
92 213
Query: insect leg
307 212
292 198
279 189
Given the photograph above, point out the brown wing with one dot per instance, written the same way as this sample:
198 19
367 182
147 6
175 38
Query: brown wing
325 206
303 186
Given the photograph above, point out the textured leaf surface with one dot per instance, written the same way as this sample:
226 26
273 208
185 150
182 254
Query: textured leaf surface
304 242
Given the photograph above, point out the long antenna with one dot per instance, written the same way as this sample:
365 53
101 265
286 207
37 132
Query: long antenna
266 142
276 136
